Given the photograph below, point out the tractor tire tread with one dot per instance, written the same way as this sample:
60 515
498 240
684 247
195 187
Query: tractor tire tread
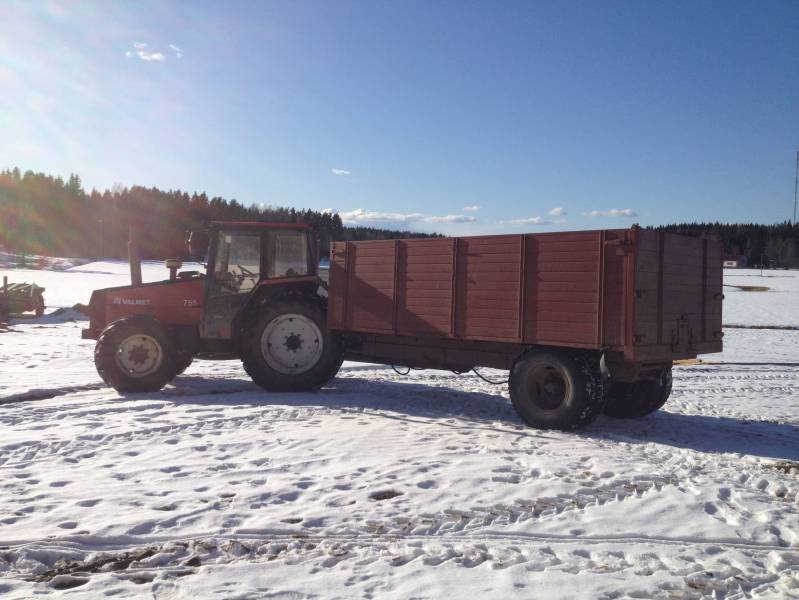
260 372
105 349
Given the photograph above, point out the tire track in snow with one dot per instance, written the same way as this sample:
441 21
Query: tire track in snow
697 568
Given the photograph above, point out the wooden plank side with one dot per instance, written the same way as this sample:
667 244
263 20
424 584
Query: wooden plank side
713 291
425 287
370 291
337 293
647 291
561 283
615 287
487 303
681 304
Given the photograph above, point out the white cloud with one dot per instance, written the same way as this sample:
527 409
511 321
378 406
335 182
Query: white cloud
363 216
557 212
474 208
157 56
613 212
529 221
141 52
450 219
360 215
340 172
178 52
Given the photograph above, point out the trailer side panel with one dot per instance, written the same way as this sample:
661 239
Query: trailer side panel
562 289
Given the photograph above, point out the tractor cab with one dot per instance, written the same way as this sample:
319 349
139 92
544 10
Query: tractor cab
247 261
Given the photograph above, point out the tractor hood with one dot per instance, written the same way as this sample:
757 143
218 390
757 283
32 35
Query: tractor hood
177 302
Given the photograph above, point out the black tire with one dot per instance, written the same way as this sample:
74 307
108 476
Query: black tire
183 361
639 398
557 389
269 363
155 354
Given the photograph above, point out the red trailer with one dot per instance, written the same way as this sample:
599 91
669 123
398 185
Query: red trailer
607 311
585 322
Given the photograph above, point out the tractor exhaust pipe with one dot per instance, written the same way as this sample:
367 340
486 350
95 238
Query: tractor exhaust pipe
134 258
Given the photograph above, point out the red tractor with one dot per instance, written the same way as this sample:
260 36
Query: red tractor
261 300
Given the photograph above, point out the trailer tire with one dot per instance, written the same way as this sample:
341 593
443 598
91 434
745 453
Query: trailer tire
135 354
557 389
639 398
289 348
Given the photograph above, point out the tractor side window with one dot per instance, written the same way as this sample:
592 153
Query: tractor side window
287 253
238 262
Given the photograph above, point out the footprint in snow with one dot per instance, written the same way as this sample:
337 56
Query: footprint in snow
381 495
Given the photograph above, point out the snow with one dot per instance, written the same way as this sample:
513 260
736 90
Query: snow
387 486
777 306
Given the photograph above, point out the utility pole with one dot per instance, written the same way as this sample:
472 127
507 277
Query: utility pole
795 187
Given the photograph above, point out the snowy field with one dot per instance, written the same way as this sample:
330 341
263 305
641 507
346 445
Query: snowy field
383 486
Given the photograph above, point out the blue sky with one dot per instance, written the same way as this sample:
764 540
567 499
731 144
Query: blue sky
545 115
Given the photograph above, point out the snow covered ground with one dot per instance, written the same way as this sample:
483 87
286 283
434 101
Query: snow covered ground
779 305
383 486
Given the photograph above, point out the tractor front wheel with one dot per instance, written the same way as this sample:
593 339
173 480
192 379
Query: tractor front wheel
135 354
289 348
557 389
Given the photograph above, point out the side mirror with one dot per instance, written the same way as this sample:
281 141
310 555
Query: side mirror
197 245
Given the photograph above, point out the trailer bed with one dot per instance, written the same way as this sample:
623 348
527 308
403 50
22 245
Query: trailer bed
651 296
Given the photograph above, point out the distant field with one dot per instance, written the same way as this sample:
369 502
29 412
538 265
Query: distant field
777 306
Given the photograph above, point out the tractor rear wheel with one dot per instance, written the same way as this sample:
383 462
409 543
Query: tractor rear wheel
557 389
289 348
638 398
135 354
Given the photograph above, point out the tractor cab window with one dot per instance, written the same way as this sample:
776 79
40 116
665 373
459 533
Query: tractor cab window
287 253
238 262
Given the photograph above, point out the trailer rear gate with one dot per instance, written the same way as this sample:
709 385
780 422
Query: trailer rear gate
652 296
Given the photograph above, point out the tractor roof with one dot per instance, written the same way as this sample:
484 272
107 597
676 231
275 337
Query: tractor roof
256 225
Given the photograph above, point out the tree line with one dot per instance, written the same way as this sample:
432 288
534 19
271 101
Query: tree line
770 245
41 214
50 216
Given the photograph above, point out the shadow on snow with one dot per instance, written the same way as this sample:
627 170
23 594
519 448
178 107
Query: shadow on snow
420 402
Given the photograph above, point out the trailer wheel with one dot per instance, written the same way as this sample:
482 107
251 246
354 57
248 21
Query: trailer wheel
639 398
289 348
556 389
135 354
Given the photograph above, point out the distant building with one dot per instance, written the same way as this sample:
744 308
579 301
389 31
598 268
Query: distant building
733 262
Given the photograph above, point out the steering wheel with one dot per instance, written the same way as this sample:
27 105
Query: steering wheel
246 272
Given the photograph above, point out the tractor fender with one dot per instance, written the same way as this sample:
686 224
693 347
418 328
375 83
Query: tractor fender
172 332
129 318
